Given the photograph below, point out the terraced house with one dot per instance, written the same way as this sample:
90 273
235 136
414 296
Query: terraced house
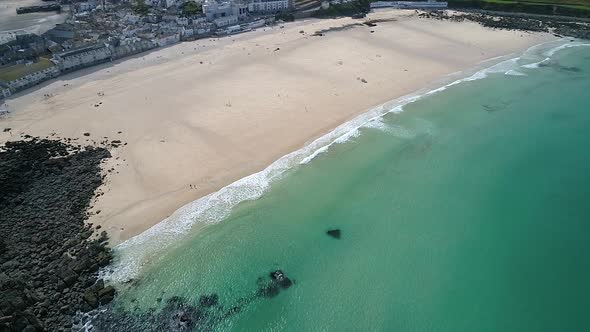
268 6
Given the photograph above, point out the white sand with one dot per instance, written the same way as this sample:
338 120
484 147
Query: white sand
246 105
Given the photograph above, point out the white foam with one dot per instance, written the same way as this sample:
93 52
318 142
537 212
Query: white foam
139 251
554 50
513 72
535 65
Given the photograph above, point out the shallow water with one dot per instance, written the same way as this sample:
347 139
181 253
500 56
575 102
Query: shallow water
466 212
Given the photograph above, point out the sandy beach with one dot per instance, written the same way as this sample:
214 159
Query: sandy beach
200 115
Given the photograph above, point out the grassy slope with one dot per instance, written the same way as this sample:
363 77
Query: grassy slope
560 7
16 71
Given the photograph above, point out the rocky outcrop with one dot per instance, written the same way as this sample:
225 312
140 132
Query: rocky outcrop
48 255
524 22
177 314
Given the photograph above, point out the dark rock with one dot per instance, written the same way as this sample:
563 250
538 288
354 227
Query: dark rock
46 187
335 233
68 276
98 286
91 299
106 294
208 300
178 314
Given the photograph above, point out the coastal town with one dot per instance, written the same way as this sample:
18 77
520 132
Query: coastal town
99 31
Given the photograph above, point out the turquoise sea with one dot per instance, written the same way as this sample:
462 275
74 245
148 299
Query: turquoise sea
463 209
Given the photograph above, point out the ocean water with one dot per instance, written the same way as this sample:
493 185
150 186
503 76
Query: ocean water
463 209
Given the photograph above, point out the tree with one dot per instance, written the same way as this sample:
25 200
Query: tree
140 8
191 8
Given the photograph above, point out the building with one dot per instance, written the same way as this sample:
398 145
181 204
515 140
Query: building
225 21
171 3
61 33
4 90
182 21
131 46
86 6
214 9
168 39
268 6
33 78
152 3
82 57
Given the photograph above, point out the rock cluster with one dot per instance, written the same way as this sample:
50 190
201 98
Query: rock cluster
180 314
48 255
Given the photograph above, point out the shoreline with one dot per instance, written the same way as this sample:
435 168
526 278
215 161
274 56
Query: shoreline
142 192
142 250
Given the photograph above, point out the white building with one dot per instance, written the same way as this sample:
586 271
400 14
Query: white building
86 6
268 6
182 21
82 57
152 3
33 78
131 18
170 3
199 20
338 2
168 40
226 20
214 9
4 91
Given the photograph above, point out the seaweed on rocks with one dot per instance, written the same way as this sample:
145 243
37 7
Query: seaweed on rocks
48 255
179 314
512 21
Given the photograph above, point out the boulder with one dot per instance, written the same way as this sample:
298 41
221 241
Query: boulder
68 276
106 294
91 298
335 233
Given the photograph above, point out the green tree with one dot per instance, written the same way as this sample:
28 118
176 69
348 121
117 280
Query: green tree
191 8
140 8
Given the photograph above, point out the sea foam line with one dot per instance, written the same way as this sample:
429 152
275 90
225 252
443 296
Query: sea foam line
141 250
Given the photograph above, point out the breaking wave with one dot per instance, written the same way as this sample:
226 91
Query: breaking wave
136 253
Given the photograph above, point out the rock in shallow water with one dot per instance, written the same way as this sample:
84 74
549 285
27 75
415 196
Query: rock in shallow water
208 300
335 233
180 314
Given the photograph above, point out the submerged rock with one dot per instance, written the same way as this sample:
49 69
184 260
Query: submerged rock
335 233
180 314
208 300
